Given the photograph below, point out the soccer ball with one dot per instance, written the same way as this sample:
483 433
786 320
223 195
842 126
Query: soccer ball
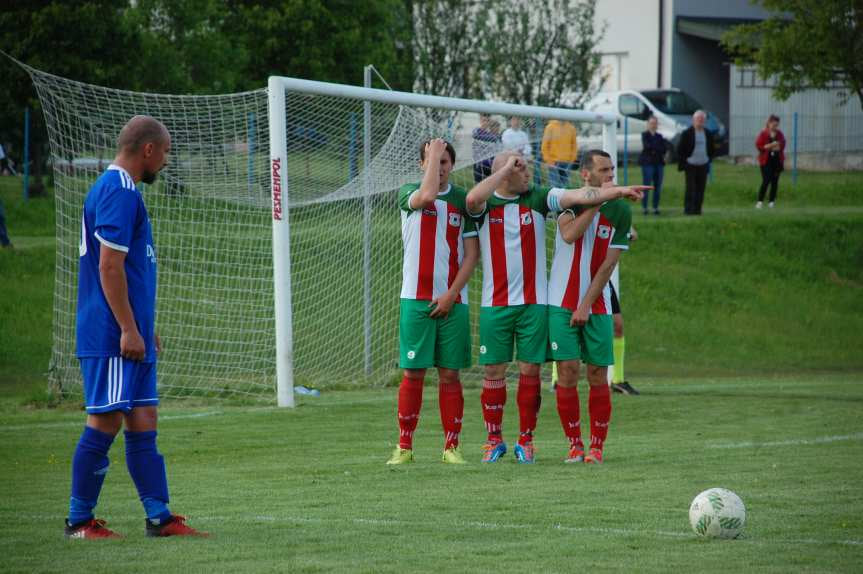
717 513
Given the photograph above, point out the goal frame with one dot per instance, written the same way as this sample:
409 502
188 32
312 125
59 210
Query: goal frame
277 87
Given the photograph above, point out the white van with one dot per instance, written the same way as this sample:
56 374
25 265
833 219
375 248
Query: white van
673 109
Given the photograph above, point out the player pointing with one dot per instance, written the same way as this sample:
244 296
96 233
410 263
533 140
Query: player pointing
587 248
117 344
514 293
441 251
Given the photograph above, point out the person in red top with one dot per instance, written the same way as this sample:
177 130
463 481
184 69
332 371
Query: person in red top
771 157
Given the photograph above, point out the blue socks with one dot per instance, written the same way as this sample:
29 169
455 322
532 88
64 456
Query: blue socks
147 468
89 467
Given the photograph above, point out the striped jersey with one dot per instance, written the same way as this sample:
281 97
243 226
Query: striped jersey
434 243
512 241
575 264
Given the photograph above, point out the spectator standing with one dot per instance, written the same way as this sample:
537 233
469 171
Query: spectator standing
559 151
4 162
771 157
515 139
652 161
694 153
485 142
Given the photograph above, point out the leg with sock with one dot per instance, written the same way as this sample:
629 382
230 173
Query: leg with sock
89 467
410 403
568 408
451 403
599 405
147 469
493 399
529 401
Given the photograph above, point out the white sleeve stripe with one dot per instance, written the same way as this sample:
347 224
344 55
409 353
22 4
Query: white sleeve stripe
410 199
479 213
470 234
113 246
553 198
622 247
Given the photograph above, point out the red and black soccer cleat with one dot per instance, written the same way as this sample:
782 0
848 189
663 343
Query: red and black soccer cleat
89 530
174 526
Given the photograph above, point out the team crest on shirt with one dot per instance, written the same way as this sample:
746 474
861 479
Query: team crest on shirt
604 232
454 219
526 219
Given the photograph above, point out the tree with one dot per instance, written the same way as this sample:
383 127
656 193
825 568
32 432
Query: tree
542 53
804 44
447 44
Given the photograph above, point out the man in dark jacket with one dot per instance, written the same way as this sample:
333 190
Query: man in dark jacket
695 150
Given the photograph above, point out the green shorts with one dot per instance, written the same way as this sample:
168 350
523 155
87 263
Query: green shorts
591 344
499 327
425 342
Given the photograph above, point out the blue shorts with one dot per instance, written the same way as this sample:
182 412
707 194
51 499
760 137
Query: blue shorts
118 384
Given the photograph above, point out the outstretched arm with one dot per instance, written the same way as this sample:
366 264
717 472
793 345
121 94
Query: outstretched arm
573 226
603 274
598 195
444 303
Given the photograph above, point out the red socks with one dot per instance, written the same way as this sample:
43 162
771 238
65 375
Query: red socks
410 403
529 400
569 412
600 414
451 401
493 398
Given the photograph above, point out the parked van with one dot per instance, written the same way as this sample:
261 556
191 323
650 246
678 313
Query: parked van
673 109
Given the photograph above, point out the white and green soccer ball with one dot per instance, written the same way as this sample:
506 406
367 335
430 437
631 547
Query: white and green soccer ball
717 513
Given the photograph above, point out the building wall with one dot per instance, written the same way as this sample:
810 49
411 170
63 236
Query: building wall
630 48
824 124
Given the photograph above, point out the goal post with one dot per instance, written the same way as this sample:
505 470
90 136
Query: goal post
275 269
281 189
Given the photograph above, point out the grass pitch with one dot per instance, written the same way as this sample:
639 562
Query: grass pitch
306 490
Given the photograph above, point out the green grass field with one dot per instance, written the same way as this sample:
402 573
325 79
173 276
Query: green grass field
744 333
306 490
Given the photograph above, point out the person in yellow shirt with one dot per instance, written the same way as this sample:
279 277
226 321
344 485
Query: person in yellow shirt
559 151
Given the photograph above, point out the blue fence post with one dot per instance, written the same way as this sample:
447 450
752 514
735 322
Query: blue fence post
625 150
794 152
537 161
353 167
26 153
251 151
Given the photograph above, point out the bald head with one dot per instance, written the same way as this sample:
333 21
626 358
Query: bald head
500 160
518 180
139 131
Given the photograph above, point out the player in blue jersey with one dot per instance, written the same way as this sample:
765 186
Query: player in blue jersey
117 342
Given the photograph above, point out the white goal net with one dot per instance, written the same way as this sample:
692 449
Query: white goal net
342 155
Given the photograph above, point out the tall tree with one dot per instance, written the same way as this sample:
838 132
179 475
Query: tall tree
447 46
804 44
542 53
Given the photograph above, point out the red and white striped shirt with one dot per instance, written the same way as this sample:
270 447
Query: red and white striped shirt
574 265
512 241
433 240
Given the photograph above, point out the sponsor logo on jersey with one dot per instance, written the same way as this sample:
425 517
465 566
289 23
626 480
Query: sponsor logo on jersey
151 254
526 219
454 219
495 219
430 211
604 232
277 188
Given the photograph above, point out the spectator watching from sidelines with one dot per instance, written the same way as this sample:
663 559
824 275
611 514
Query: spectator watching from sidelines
771 157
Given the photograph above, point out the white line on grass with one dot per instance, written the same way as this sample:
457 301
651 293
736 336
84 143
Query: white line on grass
77 423
508 526
792 442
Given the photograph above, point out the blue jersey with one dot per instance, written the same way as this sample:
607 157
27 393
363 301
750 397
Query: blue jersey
115 216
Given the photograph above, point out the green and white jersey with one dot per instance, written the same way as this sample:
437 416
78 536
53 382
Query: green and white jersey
433 240
575 264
